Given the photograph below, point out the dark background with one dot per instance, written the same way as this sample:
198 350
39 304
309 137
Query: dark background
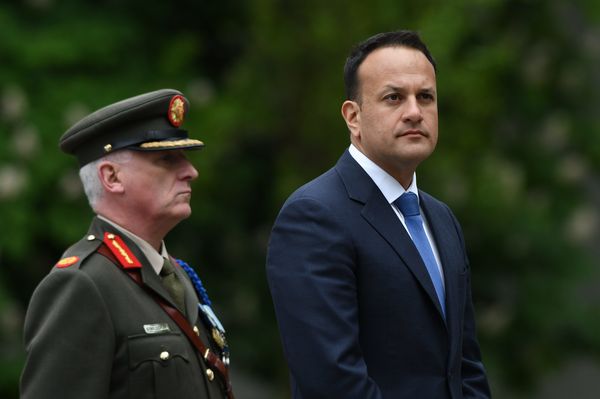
517 160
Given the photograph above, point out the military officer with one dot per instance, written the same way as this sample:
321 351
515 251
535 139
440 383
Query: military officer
118 317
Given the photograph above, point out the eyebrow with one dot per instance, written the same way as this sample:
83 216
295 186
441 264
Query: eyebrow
429 89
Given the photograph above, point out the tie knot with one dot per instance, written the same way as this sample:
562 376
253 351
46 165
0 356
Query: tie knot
167 268
408 203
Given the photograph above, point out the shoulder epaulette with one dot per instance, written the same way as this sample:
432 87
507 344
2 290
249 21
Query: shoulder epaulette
78 252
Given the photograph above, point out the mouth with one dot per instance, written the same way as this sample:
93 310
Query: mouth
412 133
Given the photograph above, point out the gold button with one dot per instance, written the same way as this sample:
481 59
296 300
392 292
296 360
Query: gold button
210 374
164 355
108 148
196 330
110 236
91 237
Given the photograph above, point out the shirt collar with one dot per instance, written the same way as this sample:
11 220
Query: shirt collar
155 258
389 187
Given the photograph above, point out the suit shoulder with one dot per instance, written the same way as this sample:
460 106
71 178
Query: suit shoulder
320 188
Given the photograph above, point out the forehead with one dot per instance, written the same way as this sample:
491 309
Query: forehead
396 65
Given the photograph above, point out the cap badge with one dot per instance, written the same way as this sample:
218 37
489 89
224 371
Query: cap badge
176 110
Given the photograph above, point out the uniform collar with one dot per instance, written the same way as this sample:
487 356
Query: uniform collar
155 258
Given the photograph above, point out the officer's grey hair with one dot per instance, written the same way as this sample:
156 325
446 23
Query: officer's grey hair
91 180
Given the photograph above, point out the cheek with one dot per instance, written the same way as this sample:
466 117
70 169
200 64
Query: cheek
432 118
375 125
434 130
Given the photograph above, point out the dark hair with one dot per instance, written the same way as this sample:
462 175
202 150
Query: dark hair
400 38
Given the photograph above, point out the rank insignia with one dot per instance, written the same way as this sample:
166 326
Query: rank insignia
66 262
176 110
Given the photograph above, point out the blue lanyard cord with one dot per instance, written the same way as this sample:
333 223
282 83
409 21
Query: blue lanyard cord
206 309
196 281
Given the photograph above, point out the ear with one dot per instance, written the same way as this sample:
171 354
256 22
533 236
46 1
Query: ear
351 114
108 172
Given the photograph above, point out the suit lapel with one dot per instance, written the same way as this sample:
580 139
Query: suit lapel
445 237
380 215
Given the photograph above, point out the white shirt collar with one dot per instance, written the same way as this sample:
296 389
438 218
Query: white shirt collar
389 187
156 259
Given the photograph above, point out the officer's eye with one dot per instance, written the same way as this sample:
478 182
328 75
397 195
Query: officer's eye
166 159
172 158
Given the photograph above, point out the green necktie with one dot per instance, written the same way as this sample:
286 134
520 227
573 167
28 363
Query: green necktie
172 284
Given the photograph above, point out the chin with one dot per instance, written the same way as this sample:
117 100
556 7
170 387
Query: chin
185 215
418 153
182 212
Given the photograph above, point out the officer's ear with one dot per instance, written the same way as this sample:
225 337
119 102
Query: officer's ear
108 173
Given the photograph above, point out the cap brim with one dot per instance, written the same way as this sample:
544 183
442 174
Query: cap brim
169 145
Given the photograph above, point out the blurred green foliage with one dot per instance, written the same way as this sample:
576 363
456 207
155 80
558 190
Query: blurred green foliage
519 95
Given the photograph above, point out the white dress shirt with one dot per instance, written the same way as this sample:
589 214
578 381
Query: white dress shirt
392 190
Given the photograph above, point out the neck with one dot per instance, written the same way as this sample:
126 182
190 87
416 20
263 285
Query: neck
148 232
405 179
401 170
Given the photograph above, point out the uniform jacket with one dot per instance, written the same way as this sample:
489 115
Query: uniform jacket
92 332
356 308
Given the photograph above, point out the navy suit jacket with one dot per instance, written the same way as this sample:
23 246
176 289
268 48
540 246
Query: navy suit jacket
356 308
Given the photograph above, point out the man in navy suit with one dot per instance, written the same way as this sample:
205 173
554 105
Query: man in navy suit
369 275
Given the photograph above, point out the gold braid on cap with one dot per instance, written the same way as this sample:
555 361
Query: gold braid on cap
167 144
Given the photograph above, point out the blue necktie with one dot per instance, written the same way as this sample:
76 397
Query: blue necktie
408 203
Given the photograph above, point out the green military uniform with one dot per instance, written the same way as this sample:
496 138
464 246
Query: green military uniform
93 332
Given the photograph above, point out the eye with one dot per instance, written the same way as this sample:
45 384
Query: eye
166 159
171 158
426 97
392 97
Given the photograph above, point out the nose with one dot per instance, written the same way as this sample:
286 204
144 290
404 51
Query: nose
188 171
412 111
